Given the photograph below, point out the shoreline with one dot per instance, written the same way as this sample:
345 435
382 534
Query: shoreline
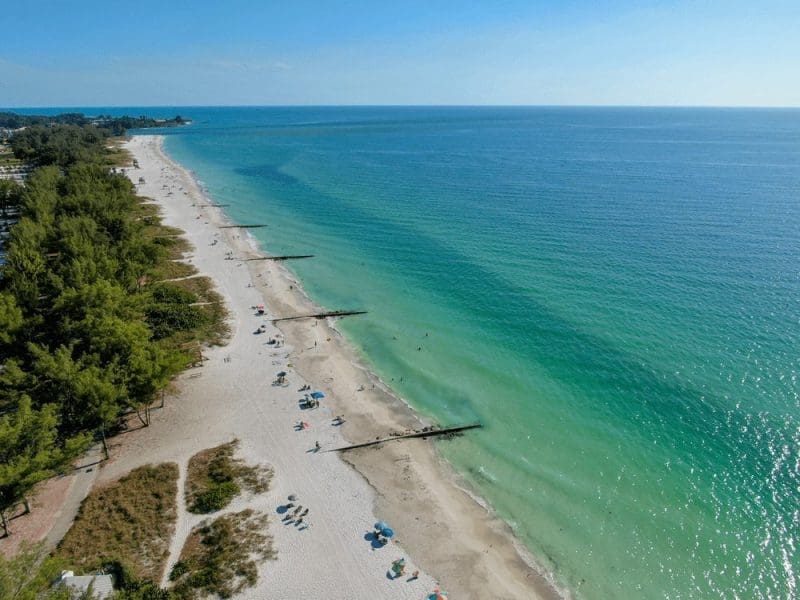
413 487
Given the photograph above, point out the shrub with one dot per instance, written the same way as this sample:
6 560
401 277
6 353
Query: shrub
215 498
219 557
215 477
166 319
178 569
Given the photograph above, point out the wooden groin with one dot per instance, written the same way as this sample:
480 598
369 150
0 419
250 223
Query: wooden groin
288 257
211 205
322 315
407 436
240 226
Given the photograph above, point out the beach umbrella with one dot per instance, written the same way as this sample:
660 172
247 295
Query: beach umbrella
282 374
317 395
292 497
381 525
387 532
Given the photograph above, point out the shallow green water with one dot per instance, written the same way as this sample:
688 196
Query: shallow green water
613 292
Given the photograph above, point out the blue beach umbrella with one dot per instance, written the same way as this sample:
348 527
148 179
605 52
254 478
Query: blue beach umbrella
381 525
317 395
387 532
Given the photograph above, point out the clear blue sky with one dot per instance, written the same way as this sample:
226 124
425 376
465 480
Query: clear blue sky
653 52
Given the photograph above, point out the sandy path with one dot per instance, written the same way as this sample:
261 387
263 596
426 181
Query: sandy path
183 525
85 474
54 506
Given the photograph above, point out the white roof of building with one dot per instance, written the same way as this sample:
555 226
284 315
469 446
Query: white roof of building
102 585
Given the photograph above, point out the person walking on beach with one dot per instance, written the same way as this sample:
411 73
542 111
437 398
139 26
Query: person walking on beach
317 446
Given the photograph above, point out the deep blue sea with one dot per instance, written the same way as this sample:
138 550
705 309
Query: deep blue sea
613 292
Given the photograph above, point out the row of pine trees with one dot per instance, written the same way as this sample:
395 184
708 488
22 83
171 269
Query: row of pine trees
86 331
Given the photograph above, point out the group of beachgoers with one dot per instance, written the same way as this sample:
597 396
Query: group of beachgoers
381 534
297 516
310 402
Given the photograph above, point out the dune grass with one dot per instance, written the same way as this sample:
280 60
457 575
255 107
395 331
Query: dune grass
220 556
215 477
201 315
214 329
128 522
116 155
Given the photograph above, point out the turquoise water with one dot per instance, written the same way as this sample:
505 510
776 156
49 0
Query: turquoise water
614 293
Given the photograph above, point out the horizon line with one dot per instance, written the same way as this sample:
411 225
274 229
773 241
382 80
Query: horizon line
387 105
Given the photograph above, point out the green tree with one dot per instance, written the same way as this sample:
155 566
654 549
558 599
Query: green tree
10 193
62 145
83 339
30 452
89 396
11 321
142 367
12 380
29 575
39 198
25 272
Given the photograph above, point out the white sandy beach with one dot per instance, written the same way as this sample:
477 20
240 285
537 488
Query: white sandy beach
440 529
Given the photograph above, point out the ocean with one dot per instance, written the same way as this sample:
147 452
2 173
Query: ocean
613 292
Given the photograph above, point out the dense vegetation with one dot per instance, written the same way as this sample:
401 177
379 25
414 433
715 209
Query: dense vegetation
117 125
9 120
89 330
66 144
62 145
10 193
29 575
